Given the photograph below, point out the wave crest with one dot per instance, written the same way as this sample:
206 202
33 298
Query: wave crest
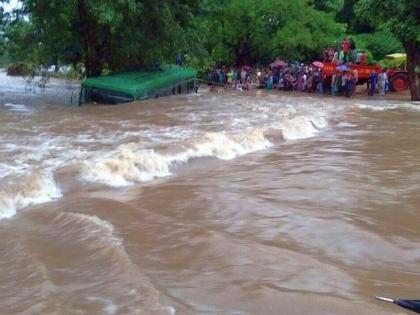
33 189
128 164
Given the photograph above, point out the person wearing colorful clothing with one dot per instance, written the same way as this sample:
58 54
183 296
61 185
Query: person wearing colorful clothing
335 58
348 84
333 78
301 82
337 83
373 82
382 82
346 48
363 58
358 57
320 86
355 80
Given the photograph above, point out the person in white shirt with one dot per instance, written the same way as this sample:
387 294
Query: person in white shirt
382 82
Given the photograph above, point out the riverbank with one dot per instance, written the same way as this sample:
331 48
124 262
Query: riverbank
57 91
360 94
13 89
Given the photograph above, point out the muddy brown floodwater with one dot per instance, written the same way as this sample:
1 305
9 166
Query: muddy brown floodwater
207 204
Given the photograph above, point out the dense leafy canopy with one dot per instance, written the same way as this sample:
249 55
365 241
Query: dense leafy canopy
329 5
402 18
249 31
355 24
140 33
107 34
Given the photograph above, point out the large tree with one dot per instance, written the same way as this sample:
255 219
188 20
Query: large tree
402 18
20 41
114 35
249 31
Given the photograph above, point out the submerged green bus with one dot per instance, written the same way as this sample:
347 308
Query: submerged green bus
138 85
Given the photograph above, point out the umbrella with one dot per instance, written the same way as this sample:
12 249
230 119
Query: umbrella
318 64
343 68
412 305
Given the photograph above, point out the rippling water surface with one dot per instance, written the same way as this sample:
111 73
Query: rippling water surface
207 204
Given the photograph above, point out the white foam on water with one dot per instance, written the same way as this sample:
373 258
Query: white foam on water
8 170
301 127
413 106
128 164
125 166
225 128
225 146
31 190
131 163
17 108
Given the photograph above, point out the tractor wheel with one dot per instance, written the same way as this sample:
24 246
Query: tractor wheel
399 82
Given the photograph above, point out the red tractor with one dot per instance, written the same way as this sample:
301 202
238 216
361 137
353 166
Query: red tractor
398 79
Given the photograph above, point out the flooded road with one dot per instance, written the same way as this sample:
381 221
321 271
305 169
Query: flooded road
207 204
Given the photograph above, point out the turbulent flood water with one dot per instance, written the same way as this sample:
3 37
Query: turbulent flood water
207 204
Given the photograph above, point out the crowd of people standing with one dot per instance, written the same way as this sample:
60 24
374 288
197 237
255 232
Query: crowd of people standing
295 76
288 77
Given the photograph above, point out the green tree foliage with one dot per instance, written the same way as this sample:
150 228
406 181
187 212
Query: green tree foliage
3 48
329 5
379 44
248 31
402 18
355 24
110 34
21 43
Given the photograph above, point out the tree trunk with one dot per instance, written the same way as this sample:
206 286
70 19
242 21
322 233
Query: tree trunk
413 66
88 42
243 54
